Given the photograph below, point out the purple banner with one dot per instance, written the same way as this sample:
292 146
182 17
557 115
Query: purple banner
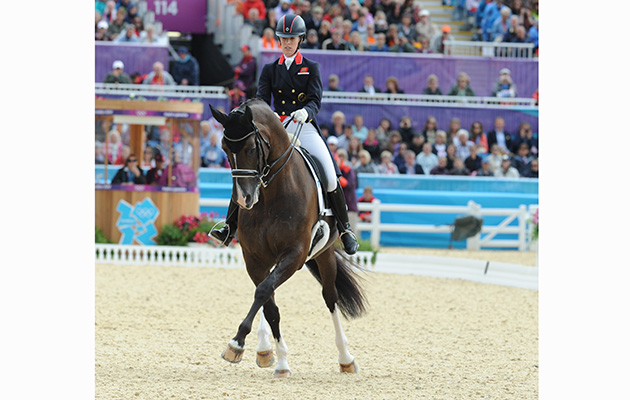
412 70
146 188
136 57
188 16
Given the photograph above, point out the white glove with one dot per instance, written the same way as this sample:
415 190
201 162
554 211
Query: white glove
300 116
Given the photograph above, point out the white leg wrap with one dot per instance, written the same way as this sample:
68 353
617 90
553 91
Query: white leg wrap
340 339
282 351
263 334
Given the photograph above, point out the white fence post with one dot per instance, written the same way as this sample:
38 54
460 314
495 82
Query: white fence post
473 243
522 227
375 238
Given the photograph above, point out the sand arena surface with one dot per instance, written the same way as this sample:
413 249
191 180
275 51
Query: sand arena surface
160 332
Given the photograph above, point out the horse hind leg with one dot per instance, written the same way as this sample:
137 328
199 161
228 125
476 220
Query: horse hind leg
272 314
264 350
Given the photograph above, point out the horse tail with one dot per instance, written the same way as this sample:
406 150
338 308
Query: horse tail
351 295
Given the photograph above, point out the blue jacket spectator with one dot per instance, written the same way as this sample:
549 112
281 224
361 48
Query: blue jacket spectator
185 69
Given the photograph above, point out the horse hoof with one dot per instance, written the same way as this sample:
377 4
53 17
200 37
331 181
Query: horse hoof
282 373
349 368
265 359
232 354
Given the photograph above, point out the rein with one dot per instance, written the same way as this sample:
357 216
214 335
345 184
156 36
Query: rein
262 173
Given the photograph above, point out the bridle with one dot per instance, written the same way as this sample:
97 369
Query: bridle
263 167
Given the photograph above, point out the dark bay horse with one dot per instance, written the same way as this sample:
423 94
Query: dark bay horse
277 221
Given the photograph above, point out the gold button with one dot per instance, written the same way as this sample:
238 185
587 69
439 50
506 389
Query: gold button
279 91
293 91
282 101
293 101
282 112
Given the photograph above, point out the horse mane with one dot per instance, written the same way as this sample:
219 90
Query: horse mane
263 118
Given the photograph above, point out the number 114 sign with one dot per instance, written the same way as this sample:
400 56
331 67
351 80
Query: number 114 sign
186 16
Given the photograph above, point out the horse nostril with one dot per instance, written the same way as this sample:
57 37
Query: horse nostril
248 199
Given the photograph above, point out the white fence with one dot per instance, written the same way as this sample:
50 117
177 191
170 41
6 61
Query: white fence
489 49
522 214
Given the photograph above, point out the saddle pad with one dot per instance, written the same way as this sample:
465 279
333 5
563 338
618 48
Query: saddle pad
315 167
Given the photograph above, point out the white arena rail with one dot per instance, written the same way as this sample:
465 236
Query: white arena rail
184 91
489 49
522 214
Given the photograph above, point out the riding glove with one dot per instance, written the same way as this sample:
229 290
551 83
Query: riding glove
300 116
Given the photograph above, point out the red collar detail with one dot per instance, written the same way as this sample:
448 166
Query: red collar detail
281 60
298 58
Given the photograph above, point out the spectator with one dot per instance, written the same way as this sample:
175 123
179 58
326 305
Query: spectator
354 147
391 35
451 154
522 160
114 148
526 135
312 41
129 35
268 39
185 70
155 173
391 85
463 144
410 167
440 145
361 24
423 46
346 29
381 45
433 87
344 140
246 71
485 168
380 20
304 9
336 42
367 197
355 43
494 158
440 42
417 142
349 182
426 159
462 88
370 37
511 31
130 173
254 21
506 170
366 165
532 171
479 137
382 131
158 76
372 145
332 143
406 129
500 26
182 175
358 129
453 128
338 121
442 168
504 87
117 75
500 136
101 32
430 130
473 161
333 84
149 36
424 27
271 21
237 94
109 11
490 14
254 4
148 157
387 166
283 8
520 37
406 28
324 32
368 85
314 21
138 23
212 155
399 155
99 153
118 25
459 169
132 13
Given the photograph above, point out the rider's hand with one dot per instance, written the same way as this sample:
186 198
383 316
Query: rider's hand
300 116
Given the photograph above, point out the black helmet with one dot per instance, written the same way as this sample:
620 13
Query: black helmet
291 25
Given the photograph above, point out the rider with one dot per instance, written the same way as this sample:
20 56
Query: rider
296 86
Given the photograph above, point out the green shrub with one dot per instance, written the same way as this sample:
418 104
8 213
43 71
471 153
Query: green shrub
171 236
100 237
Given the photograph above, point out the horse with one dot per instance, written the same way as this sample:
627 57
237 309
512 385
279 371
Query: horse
278 217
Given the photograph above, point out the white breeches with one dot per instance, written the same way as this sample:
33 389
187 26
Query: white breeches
314 144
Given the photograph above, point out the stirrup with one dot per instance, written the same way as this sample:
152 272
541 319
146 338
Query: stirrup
223 235
350 242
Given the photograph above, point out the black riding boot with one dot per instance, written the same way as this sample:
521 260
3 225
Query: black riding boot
338 206
227 232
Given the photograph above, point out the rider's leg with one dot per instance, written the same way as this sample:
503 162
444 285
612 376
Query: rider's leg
227 232
313 143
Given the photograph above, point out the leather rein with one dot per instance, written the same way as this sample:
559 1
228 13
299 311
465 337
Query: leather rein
262 171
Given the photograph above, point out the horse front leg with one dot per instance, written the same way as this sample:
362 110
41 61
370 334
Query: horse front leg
272 314
264 350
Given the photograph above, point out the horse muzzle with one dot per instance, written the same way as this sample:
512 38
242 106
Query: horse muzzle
247 195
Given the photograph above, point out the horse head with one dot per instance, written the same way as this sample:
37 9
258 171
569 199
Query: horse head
245 147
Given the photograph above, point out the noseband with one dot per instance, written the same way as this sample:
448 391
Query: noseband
263 168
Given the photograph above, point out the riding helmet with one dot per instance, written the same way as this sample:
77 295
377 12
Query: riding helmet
291 25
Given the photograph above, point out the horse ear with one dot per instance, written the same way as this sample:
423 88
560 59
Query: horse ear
218 115
248 114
